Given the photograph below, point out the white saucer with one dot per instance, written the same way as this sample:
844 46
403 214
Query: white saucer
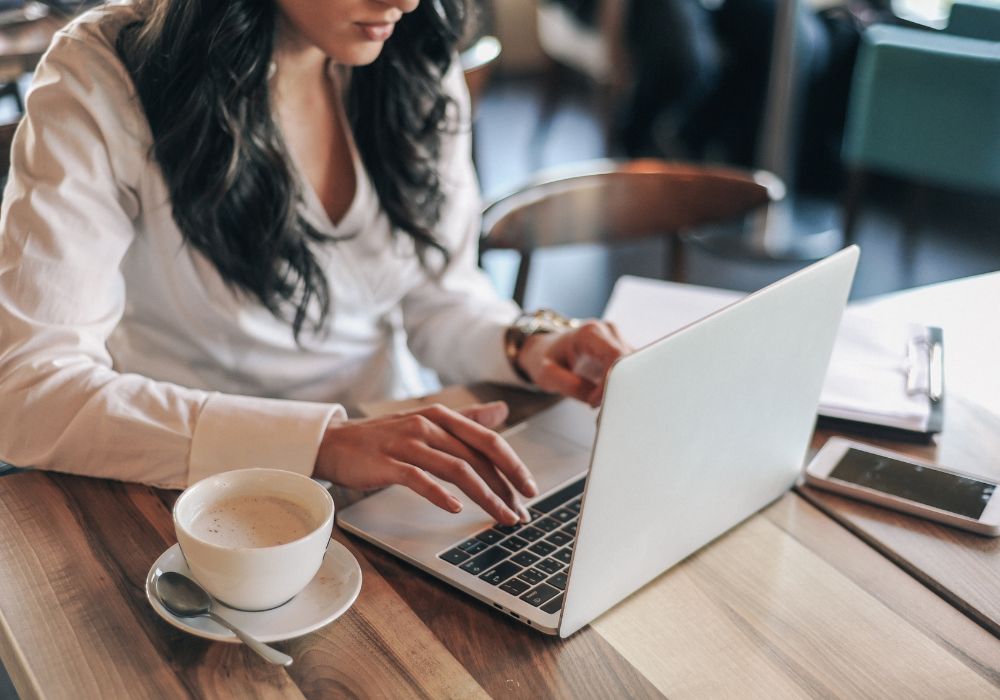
328 596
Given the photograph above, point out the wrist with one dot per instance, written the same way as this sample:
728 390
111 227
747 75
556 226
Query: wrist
526 332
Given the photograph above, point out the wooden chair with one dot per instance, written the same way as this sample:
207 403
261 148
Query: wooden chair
611 202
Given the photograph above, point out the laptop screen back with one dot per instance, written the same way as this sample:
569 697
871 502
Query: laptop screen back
701 429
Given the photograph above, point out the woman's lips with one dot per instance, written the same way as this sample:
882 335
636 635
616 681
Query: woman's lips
376 31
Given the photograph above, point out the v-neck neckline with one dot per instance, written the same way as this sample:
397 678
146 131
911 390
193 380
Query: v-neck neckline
348 224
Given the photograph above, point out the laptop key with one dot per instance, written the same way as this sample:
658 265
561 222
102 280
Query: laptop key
540 594
559 538
508 529
475 548
543 548
563 515
500 573
524 558
548 524
571 529
514 544
479 564
532 576
575 506
559 581
515 586
531 534
454 556
549 566
564 555
489 536
471 542
554 605
552 502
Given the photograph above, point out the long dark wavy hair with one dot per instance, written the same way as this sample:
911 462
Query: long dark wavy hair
201 71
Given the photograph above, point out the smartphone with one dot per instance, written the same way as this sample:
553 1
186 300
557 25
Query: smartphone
897 481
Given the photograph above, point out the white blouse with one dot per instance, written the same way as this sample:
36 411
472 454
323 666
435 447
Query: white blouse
124 355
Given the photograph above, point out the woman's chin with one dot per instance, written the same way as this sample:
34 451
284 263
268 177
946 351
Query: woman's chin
360 54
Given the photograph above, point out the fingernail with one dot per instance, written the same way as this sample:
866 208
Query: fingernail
525 515
455 505
532 487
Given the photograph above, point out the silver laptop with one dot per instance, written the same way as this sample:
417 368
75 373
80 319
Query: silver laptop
698 431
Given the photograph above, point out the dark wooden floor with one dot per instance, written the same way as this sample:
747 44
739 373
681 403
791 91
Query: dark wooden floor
960 235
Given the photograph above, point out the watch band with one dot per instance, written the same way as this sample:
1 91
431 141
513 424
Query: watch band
529 324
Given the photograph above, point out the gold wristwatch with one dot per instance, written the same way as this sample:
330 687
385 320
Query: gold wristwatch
529 324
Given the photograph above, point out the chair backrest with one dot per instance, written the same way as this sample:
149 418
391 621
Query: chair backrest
611 201
976 19
924 105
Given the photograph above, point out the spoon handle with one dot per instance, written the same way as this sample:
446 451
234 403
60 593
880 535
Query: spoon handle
270 654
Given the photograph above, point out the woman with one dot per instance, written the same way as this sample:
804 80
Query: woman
226 216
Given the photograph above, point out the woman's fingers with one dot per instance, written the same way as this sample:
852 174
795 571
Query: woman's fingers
555 378
459 472
416 479
489 415
596 340
448 443
412 448
488 443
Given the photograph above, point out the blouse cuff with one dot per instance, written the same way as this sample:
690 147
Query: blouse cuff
492 353
239 432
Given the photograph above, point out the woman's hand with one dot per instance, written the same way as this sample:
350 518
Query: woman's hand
573 362
407 448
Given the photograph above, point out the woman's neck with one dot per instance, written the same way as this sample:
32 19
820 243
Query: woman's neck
306 103
299 64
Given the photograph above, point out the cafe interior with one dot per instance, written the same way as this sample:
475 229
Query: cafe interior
654 151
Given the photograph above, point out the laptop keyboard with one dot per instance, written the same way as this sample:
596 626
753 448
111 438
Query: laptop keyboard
527 561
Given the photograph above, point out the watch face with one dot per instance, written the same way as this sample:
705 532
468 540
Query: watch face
544 321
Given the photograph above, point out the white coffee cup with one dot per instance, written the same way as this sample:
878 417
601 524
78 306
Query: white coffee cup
254 577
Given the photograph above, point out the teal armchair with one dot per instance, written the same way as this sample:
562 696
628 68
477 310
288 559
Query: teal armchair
925 107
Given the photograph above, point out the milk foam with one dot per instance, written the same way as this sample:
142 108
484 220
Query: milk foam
252 521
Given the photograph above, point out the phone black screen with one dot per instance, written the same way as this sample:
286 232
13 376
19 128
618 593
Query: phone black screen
932 487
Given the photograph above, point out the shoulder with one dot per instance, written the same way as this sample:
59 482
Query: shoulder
84 52
82 65
82 105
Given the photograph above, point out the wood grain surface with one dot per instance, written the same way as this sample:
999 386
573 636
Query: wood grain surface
789 604
758 614
73 560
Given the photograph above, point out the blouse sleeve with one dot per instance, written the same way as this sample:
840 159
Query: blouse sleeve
455 323
68 219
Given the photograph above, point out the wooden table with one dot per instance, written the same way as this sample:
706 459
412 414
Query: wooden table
788 604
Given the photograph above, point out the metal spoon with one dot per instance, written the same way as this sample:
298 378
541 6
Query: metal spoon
185 598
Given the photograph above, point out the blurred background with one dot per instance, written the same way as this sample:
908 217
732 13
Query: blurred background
720 142
884 117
